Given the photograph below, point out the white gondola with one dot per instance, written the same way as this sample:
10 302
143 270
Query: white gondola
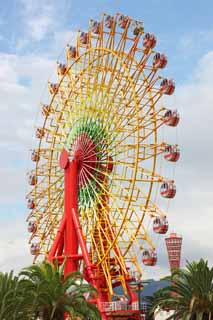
32 227
160 225
168 189
159 60
167 86
35 249
149 41
171 118
172 153
149 257
137 27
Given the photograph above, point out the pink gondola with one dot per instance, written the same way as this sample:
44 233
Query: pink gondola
45 110
32 227
30 204
35 249
172 153
40 133
159 60
108 22
168 189
96 27
149 257
53 88
35 156
149 41
167 86
62 69
122 21
71 52
160 225
84 38
32 180
171 118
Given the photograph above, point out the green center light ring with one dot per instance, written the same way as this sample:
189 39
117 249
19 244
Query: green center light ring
89 136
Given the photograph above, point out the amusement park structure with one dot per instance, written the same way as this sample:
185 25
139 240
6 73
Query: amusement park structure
173 245
96 175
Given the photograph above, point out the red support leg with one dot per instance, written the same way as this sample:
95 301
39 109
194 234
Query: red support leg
70 202
57 241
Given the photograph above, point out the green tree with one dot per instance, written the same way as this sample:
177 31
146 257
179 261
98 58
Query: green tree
12 304
49 295
190 294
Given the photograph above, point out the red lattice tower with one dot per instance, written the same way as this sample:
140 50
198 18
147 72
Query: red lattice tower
174 244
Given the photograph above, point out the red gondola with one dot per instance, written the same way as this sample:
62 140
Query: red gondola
160 225
168 189
35 249
96 27
149 257
35 156
122 21
159 60
84 38
30 204
32 227
171 118
53 88
167 86
32 179
40 133
62 68
149 41
172 153
71 52
108 22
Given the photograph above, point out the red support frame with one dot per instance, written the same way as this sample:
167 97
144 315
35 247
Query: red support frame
70 238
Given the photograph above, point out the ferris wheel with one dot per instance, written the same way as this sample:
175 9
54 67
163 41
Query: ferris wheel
95 163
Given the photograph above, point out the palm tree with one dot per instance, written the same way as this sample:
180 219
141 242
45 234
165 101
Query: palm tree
190 294
49 295
11 300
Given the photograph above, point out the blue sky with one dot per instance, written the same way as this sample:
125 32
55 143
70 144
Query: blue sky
33 35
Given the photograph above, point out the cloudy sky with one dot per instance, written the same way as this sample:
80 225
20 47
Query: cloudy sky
32 37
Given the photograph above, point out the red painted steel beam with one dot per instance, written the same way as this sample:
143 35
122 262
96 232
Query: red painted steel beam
70 203
59 236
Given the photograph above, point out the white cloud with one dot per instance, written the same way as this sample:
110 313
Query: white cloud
195 42
14 246
39 18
